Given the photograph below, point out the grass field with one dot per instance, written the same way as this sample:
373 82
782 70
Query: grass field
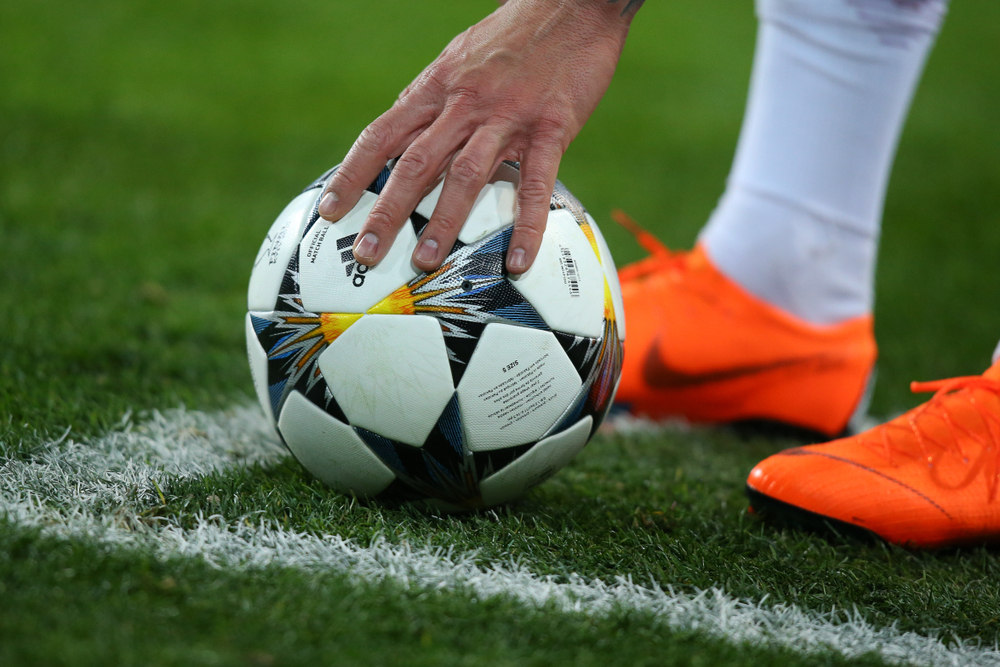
144 150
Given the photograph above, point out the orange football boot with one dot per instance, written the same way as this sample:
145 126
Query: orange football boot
702 348
926 479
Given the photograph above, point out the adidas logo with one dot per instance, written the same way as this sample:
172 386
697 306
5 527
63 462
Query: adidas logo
356 272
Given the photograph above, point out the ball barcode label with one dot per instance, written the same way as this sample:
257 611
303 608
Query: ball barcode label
571 275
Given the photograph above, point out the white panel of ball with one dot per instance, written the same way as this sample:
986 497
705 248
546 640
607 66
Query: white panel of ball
566 283
330 449
536 465
276 251
493 210
390 375
519 381
331 281
507 173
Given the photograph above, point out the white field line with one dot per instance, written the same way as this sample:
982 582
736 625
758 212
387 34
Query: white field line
96 491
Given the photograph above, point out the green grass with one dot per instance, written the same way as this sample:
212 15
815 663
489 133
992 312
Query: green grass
93 607
144 150
668 508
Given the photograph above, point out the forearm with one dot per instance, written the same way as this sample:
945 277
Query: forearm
587 22
620 9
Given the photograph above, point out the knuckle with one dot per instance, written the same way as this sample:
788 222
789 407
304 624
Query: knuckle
373 137
414 163
465 99
550 128
549 124
436 76
381 218
346 176
529 233
467 170
425 112
446 226
533 191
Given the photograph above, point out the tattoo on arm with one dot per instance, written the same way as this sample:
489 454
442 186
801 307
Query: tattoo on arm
631 7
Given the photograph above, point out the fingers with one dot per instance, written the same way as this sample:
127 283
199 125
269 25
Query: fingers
431 152
467 174
539 167
418 166
383 139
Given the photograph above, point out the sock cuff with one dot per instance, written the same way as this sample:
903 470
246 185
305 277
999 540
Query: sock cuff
895 22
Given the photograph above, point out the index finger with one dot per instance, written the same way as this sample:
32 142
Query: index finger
387 137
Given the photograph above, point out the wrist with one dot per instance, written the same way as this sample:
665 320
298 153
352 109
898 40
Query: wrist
614 12
602 20
609 18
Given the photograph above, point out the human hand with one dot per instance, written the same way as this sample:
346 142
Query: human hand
517 86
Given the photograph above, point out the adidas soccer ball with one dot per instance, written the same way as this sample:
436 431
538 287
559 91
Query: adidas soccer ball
464 387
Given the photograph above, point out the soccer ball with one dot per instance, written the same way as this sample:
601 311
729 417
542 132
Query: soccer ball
463 387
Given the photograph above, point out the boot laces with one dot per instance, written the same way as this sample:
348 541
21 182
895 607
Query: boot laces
660 256
896 436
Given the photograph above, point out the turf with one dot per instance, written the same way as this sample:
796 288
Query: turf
668 508
98 608
144 149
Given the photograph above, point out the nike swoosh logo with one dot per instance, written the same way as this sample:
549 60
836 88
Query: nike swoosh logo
660 376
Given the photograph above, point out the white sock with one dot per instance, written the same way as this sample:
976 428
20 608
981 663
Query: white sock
798 225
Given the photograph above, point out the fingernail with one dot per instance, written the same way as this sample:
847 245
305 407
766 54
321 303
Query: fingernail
426 251
328 204
516 260
366 247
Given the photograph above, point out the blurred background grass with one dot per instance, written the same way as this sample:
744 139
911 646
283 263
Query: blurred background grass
146 146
